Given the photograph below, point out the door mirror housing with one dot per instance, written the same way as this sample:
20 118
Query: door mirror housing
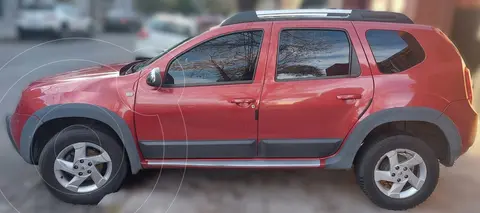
154 78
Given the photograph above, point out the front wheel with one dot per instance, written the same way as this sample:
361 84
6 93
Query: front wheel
80 165
397 172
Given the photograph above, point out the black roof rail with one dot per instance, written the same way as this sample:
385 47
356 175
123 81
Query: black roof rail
317 14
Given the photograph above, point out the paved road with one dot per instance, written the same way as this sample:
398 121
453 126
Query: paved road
202 191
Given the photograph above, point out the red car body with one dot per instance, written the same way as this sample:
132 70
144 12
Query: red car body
340 112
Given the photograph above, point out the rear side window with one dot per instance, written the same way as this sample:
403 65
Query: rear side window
395 51
307 54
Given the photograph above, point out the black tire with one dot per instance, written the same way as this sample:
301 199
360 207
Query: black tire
71 135
21 34
372 153
90 31
64 32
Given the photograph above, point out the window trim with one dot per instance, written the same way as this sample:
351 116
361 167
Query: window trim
397 31
216 83
350 56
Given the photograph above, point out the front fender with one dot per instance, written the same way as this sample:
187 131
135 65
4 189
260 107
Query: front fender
79 111
344 158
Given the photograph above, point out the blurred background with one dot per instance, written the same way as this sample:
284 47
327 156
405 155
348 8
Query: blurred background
459 19
46 37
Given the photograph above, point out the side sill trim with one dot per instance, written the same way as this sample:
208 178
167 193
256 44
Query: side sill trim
237 163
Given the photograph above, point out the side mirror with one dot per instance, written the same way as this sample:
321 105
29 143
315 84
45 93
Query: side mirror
154 78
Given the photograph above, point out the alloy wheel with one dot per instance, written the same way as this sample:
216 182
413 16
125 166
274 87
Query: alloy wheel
400 173
83 167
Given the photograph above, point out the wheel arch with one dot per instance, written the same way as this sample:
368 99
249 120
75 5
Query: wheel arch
353 142
77 110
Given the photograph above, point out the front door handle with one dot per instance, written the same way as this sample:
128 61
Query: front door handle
242 101
349 97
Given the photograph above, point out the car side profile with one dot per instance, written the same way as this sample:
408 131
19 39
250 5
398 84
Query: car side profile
326 88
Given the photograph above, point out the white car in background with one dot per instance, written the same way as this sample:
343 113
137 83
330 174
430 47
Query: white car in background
59 20
161 32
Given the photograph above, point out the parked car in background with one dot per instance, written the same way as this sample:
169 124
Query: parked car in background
119 20
58 20
333 89
161 32
206 22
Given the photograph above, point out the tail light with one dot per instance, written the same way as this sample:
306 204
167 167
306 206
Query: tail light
142 34
468 85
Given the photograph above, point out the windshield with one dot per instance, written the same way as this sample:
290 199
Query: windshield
169 27
141 65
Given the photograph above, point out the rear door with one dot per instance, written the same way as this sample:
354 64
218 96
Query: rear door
318 84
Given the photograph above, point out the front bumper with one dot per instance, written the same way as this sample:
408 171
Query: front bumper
9 132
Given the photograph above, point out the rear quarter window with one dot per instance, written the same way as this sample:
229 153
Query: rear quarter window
395 51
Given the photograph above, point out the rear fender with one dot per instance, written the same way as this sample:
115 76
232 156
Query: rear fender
344 158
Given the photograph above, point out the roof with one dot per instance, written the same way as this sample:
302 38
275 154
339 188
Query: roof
317 14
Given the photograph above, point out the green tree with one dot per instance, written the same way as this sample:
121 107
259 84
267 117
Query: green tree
152 6
220 6
185 7
244 5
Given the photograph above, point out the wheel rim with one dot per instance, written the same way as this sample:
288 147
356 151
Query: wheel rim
400 173
83 167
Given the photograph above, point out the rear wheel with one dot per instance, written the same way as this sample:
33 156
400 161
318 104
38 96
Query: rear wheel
81 165
397 172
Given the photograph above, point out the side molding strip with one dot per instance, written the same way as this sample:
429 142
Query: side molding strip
237 163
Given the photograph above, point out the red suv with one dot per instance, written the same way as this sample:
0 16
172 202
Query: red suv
330 89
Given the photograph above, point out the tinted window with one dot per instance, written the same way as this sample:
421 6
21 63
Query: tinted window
230 58
394 51
37 6
313 54
68 9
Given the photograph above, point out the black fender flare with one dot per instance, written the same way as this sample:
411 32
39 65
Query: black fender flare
345 157
79 111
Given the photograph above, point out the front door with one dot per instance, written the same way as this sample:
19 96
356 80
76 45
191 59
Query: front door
318 84
206 107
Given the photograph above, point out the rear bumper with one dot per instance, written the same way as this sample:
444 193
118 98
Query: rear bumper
9 132
466 121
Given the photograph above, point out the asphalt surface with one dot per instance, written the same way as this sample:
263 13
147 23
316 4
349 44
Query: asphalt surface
188 191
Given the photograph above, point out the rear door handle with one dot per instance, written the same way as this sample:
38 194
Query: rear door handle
242 101
349 97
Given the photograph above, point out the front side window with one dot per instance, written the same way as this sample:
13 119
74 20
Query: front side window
395 51
305 54
226 59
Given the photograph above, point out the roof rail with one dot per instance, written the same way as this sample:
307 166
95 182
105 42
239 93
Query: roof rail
317 14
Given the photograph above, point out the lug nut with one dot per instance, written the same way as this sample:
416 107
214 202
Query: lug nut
397 167
90 164
75 167
81 161
406 176
89 171
393 174
405 169
82 174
